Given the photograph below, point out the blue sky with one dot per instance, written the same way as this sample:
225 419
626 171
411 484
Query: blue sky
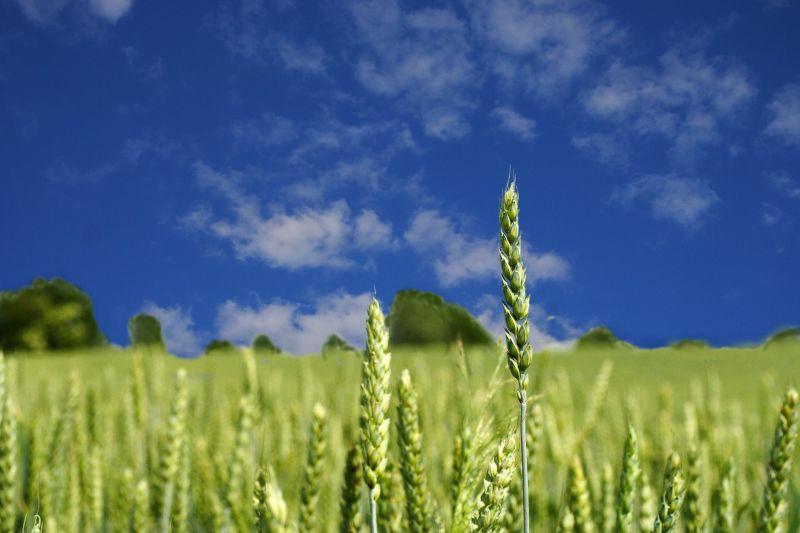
251 166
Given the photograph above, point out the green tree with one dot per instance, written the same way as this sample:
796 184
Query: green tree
219 346
145 331
419 317
262 344
336 344
47 315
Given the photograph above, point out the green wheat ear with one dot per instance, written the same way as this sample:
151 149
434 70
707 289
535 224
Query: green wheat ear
8 456
375 398
627 482
779 468
516 303
313 473
350 504
415 483
579 500
489 513
671 496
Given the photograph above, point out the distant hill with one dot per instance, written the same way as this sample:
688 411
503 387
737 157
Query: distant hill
600 337
419 317
783 337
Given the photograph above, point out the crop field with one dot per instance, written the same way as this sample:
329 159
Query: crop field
117 441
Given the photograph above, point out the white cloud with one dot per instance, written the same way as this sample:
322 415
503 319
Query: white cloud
247 32
42 11
421 58
547 331
785 112
458 256
786 186
685 99
49 11
371 232
514 123
305 237
308 57
604 148
540 46
681 200
267 130
110 10
294 328
336 154
177 328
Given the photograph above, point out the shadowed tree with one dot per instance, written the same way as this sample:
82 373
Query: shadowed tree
145 331
263 345
47 315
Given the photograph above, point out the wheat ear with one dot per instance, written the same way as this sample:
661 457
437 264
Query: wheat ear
671 496
780 465
409 435
314 472
516 302
171 452
627 482
579 500
489 513
8 456
374 412
350 500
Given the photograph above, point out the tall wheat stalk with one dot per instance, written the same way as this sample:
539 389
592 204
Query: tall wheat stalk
519 353
409 435
313 472
374 412
780 464
350 500
671 496
627 482
8 456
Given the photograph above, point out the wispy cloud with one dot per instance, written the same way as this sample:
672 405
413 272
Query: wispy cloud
295 328
266 130
178 329
49 11
540 47
785 115
248 32
684 201
685 99
457 256
603 147
305 237
786 186
514 123
420 58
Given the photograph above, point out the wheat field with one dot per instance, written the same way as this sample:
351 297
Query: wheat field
100 438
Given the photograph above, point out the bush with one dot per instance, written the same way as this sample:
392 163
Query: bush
145 331
219 346
690 344
336 344
418 317
783 337
48 315
600 337
262 344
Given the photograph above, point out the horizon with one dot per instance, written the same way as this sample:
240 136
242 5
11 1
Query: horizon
244 167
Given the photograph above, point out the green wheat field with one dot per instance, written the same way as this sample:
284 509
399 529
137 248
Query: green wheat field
97 436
